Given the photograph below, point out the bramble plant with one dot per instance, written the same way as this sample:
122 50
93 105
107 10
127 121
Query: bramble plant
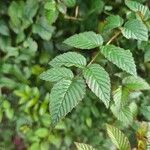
94 58
70 88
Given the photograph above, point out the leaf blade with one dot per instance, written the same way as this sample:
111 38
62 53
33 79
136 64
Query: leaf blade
118 138
69 59
64 96
137 7
120 57
135 83
85 40
112 22
56 74
139 33
99 82
83 146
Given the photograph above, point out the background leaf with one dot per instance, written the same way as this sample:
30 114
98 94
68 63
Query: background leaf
135 83
82 146
118 138
43 29
112 22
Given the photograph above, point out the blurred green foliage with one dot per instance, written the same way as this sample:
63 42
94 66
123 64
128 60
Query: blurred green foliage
31 34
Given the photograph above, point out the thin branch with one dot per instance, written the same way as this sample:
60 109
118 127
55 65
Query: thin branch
111 39
72 18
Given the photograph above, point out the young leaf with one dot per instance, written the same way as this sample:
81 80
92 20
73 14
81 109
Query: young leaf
135 83
64 96
69 59
99 82
82 146
120 57
85 40
118 138
56 74
135 29
112 22
137 7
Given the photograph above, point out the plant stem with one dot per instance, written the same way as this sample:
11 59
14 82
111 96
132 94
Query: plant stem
111 39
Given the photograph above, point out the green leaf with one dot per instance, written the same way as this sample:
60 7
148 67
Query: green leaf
82 146
30 9
70 3
3 28
145 111
99 82
135 29
120 57
135 83
123 114
118 138
147 56
69 59
96 7
112 22
42 132
85 40
8 83
56 74
64 96
117 96
137 7
62 8
15 12
50 10
119 110
43 29
34 146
